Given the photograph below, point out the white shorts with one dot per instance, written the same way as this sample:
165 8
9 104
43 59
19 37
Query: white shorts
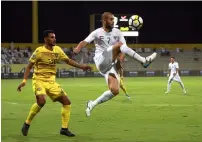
104 64
103 61
174 78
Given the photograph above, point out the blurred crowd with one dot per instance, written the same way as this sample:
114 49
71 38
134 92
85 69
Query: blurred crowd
13 55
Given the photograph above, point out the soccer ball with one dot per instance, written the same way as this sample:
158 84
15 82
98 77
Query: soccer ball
135 22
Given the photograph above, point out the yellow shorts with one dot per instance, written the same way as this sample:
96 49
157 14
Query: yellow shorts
50 88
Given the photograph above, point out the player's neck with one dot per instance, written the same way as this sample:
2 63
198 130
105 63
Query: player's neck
49 47
106 30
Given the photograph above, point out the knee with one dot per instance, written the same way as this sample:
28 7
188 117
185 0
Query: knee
115 91
41 101
119 44
64 100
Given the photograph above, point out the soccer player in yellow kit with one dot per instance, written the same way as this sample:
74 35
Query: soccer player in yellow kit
119 66
44 61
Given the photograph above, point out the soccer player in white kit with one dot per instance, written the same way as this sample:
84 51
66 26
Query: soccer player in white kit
174 75
109 43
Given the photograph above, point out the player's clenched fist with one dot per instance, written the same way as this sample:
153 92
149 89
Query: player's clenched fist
76 50
21 85
86 68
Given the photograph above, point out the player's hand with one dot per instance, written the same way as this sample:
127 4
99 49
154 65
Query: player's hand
76 50
20 86
86 68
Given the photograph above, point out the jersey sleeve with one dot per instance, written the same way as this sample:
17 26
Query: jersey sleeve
177 65
91 37
62 55
35 56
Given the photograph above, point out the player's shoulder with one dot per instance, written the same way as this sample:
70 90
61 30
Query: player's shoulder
39 49
98 30
169 64
176 63
57 48
116 30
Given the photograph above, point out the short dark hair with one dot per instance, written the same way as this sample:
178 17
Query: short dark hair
172 57
46 32
105 15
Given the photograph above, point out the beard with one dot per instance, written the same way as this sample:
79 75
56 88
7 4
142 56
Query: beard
108 26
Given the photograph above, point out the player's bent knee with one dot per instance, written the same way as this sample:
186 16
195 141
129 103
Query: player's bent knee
119 44
41 101
64 100
115 91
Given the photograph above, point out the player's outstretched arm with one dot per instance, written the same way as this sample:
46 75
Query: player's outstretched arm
26 74
79 46
77 65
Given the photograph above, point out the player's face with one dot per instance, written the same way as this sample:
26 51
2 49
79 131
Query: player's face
172 60
109 23
51 40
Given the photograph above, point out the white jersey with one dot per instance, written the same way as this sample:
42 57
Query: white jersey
173 67
103 39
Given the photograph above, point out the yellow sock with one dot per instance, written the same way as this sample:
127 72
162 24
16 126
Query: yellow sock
124 89
33 111
65 115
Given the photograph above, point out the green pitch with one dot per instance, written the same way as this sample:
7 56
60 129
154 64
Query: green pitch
150 115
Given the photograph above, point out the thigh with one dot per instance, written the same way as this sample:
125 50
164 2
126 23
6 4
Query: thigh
115 51
112 78
38 87
170 80
55 91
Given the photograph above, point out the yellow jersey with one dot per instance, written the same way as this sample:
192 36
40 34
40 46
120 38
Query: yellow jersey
45 60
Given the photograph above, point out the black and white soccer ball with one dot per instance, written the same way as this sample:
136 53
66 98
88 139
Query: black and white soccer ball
135 22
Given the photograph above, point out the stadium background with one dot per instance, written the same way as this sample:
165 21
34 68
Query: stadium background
170 28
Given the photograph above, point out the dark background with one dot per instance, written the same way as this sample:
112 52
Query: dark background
164 22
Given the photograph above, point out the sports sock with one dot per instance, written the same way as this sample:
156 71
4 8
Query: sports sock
125 49
182 85
65 111
107 95
123 88
32 113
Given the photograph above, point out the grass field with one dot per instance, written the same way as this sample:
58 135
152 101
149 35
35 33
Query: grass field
150 115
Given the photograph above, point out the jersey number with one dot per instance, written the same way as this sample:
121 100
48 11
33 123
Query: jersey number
108 40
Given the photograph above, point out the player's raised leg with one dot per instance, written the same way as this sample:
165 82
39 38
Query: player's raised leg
36 107
113 85
120 47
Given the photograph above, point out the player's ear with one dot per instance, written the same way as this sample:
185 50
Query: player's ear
45 39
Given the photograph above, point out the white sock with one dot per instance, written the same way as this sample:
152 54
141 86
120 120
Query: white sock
169 84
168 87
125 49
182 85
107 95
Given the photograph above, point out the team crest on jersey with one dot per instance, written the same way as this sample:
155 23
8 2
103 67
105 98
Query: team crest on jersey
56 55
116 37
